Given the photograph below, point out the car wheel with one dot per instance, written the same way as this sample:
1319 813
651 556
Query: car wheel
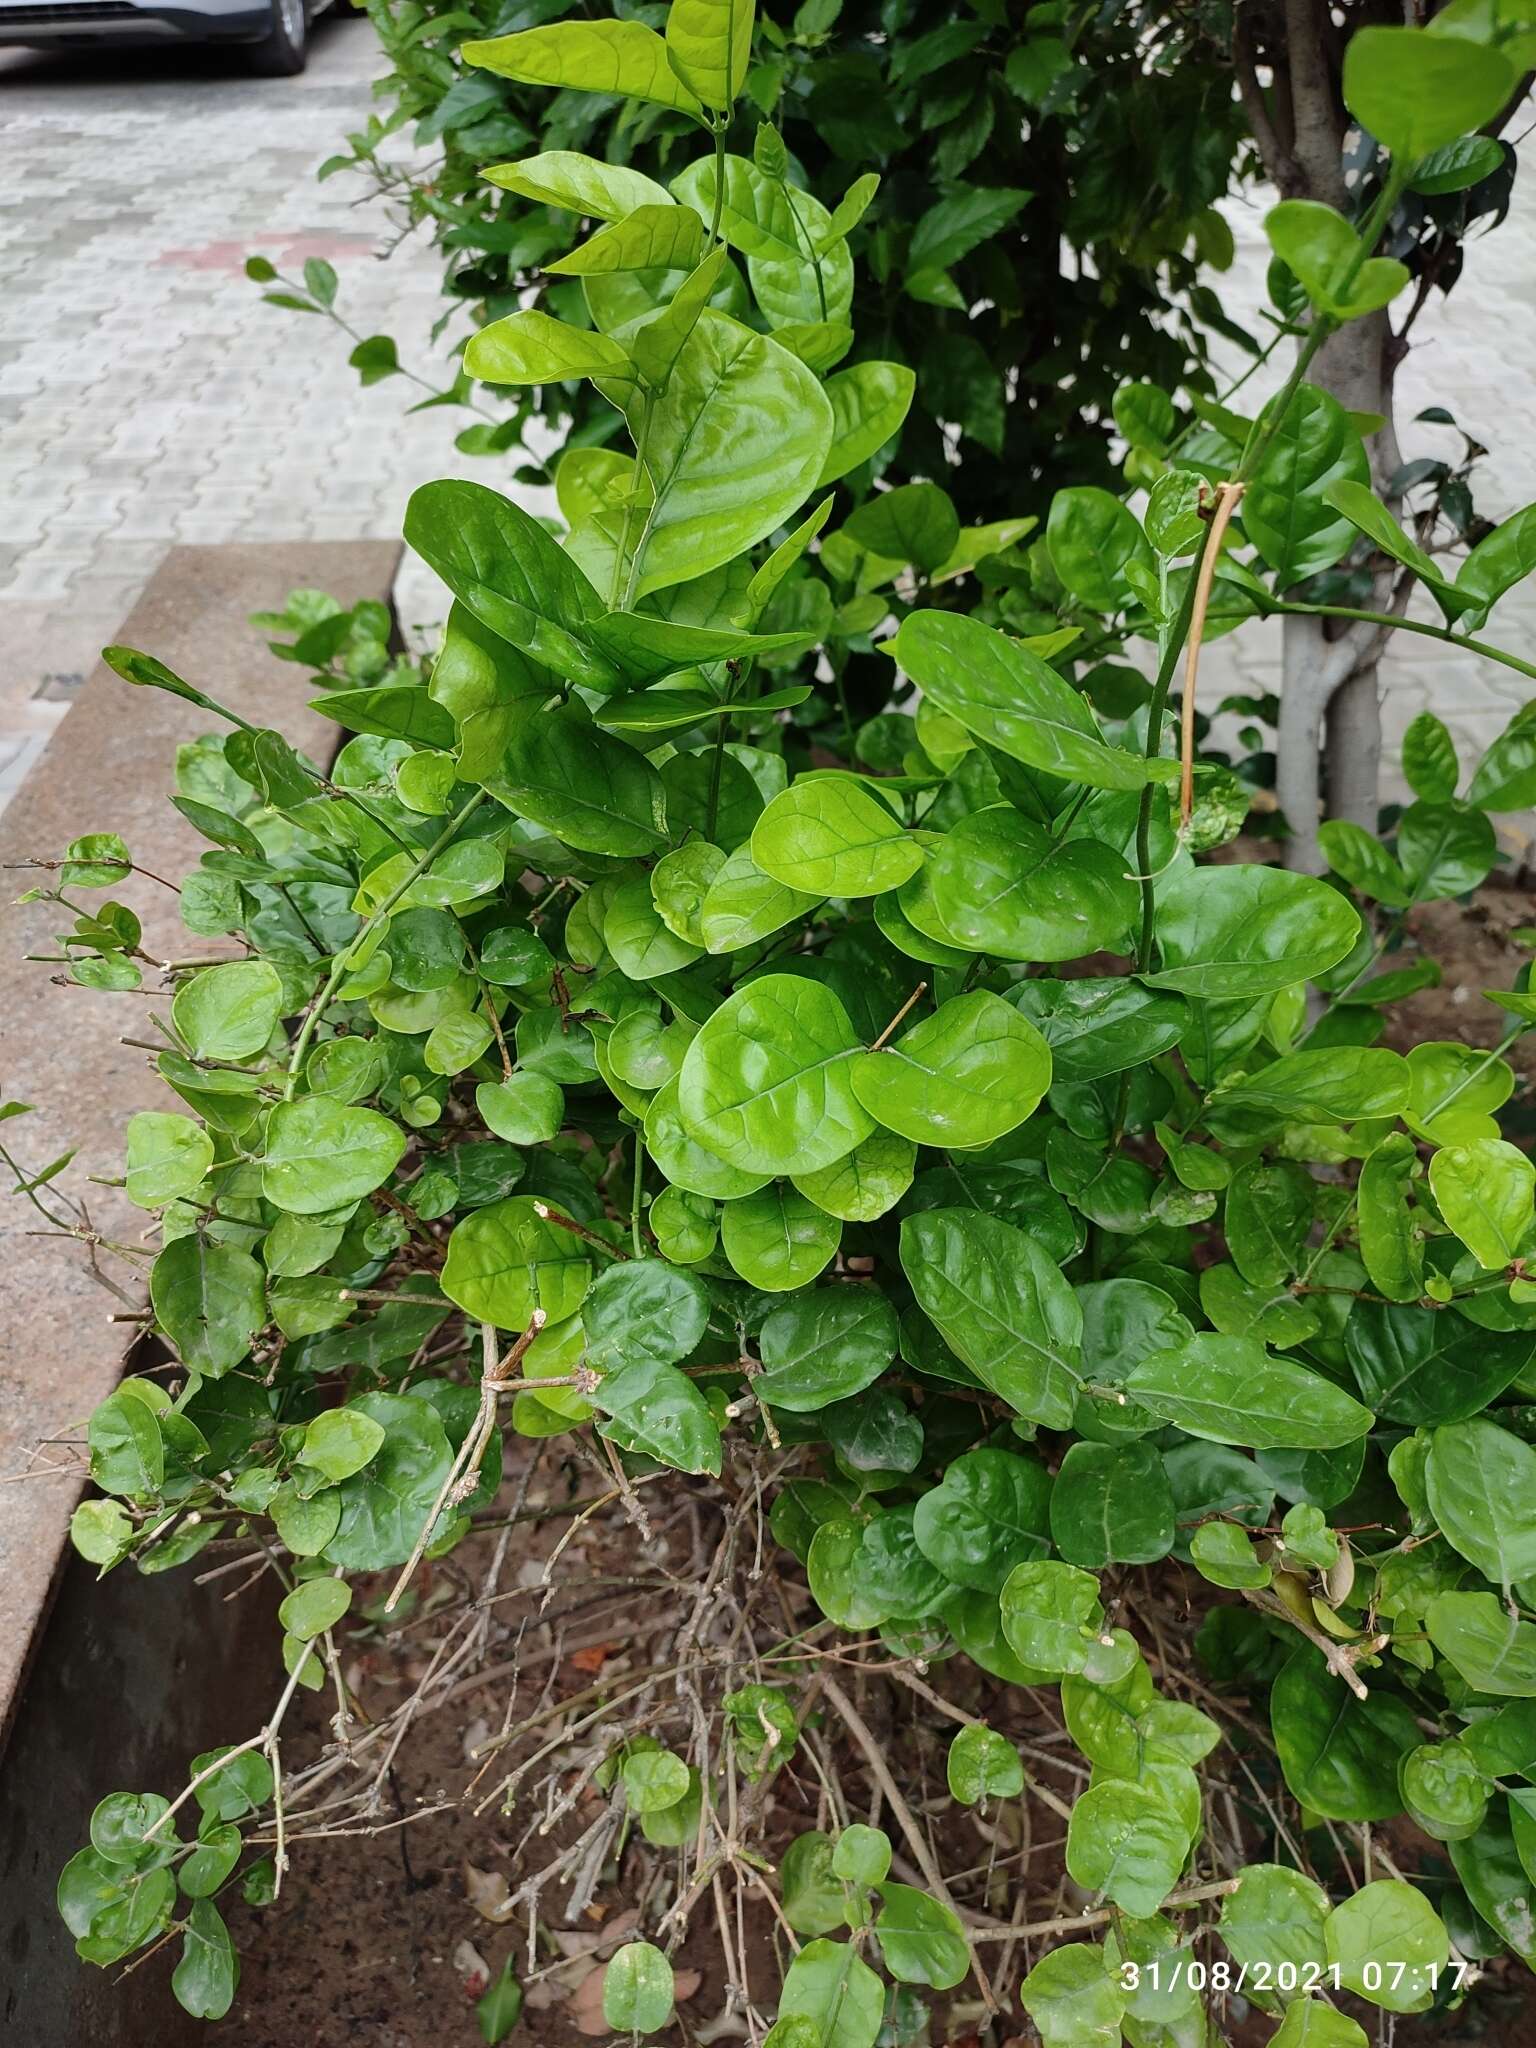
284 50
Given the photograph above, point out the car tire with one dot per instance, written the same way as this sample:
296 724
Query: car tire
284 50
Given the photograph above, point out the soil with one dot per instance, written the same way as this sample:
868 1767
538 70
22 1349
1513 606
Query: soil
376 1940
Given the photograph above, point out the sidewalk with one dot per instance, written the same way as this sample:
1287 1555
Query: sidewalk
147 395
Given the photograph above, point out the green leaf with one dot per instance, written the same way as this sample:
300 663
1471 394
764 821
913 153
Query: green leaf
1073 1999
208 1868
1230 1390
743 905
1275 1916
637 1982
839 1995
532 348
580 184
666 237
167 1156
1361 860
867 1183
827 835
500 2006
656 1409
1093 537
1417 1365
98 1529
1000 1303
1323 253
1096 1027
321 1155
511 574
1339 1754
229 1012
1494 1651
983 1765
869 402
735 442
1289 512
1494 1878
1388 1945
590 789
1224 1554
525 1109
1226 933
1500 560
97 861
824 1346
862 1855
313 1607
1444 1788
505 1261
812 1893
208 1973
1481 1481
964 1076
1112 1504
1429 759
1310 2023
1010 698
767 1084
921 1939
643 1309
339 1442
1125 1843
653 1779
1338 1085
1362 508
619 57
385 1507
1415 93
1002 885
1484 1191
961 222
988 1513
709 45
914 523
210 1301
776 1239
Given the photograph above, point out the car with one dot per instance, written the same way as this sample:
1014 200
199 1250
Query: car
274 34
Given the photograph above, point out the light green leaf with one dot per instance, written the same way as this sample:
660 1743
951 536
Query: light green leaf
1484 1191
229 1012
210 1301
1125 1843
1002 885
637 1984
964 1076
983 1765
1241 931
1229 1390
621 57
921 1939
1388 1945
581 184
1011 699
1001 1305
709 44
532 348
1093 537
167 1156
506 1260
869 402
767 1084
1481 1482
322 1155
664 237
1415 92
828 835
776 1239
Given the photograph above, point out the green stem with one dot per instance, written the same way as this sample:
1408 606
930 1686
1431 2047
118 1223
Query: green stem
339 965
1393 623
635 1196
714 219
